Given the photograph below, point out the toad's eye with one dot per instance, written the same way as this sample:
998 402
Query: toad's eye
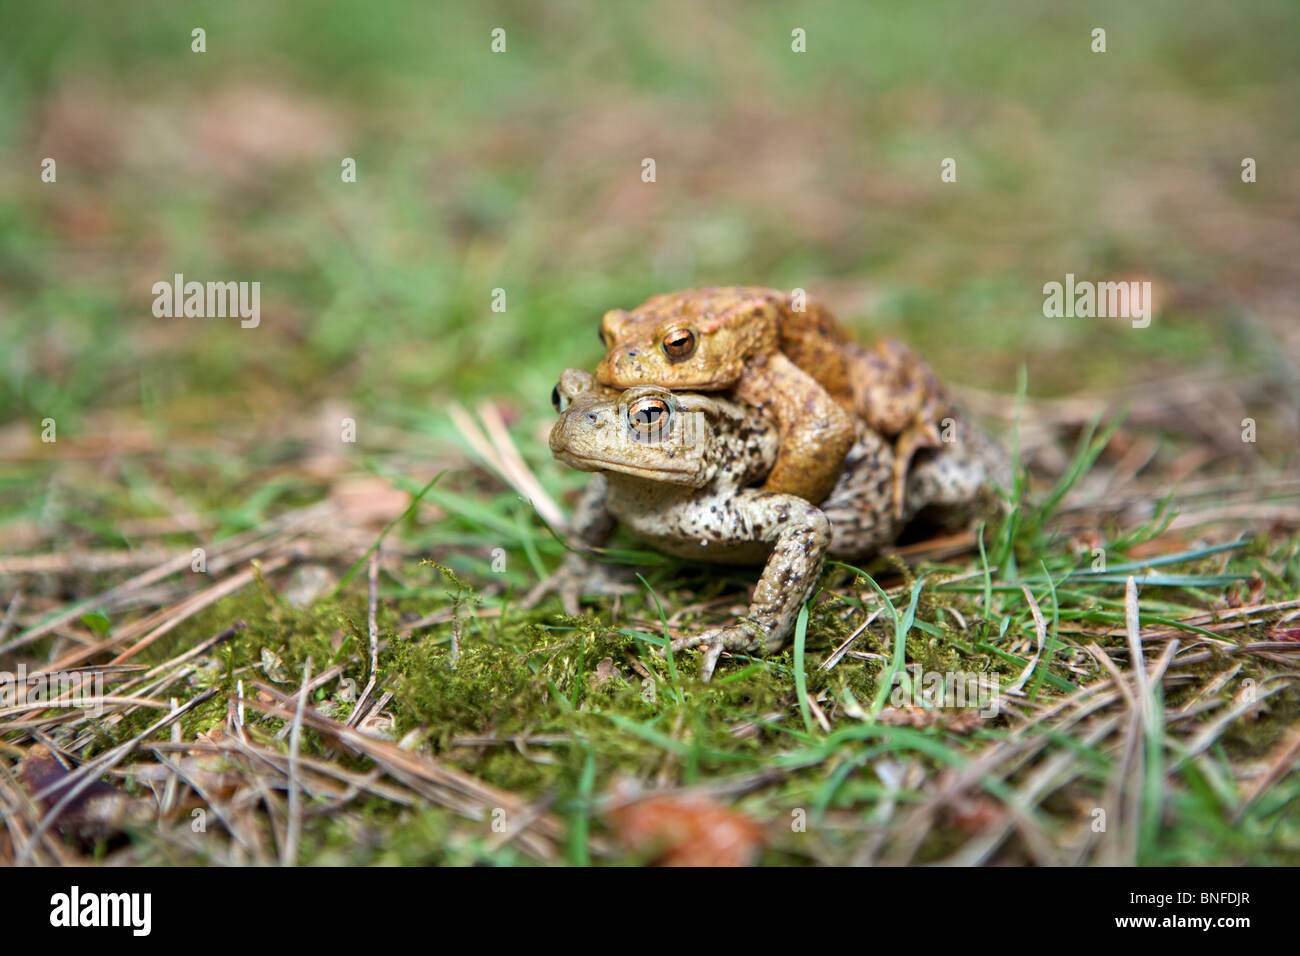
558 401
648 418
679 343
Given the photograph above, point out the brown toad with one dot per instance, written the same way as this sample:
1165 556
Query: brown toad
799 366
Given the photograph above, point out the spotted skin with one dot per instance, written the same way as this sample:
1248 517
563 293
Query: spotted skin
751 344
688 493
792 360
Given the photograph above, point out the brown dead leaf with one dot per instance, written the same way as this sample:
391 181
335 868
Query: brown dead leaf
959 721
687 830
1256 588
368 500
909 716
965 720
974 814
96 813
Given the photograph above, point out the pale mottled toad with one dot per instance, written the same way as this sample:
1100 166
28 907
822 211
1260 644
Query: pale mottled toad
675 468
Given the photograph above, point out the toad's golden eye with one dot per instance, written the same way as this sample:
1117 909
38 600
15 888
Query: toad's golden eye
558 401
649 417
679 343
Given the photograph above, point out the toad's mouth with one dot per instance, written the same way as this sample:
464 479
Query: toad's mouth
597 463
638 376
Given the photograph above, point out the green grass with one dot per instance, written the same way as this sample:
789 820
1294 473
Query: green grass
525 673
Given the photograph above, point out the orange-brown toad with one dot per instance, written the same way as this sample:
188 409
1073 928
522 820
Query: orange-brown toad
800 367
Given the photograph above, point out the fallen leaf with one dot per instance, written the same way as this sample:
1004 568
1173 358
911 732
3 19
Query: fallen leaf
1256 586
370 501
687 830
958 720
273 666
96 813
604 672
974 814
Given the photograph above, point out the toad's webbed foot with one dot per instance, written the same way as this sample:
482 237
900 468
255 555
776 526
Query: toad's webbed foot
743 636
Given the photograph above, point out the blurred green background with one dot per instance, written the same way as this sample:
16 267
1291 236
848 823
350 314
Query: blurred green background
521 171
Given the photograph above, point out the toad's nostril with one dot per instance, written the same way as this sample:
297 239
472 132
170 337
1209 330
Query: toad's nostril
631 353
591 418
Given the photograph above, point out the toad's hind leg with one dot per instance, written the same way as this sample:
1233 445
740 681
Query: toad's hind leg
898 395
920 434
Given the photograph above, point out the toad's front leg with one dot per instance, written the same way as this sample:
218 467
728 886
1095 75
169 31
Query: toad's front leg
816 432
800 534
